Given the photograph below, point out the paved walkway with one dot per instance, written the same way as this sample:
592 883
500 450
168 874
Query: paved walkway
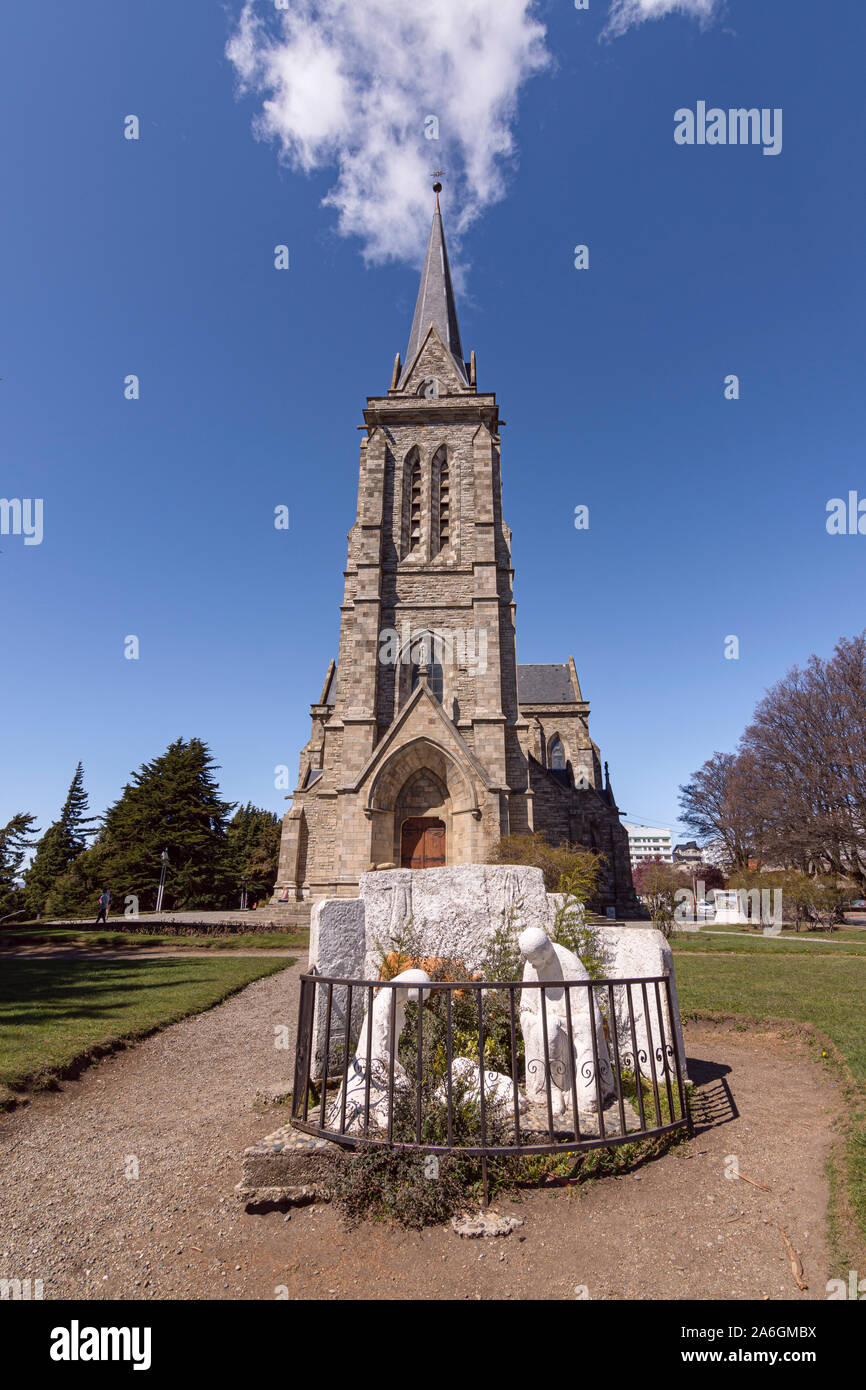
257 921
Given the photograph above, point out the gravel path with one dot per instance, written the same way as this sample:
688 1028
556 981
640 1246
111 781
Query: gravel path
182 1105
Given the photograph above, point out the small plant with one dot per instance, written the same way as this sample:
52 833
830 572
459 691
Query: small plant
407 951
571 929
388 1183
502 959
573 874
659 888
422 1189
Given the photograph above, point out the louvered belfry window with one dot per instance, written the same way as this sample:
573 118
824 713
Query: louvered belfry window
444 505
415 506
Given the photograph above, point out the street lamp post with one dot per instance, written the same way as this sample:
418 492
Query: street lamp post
164 860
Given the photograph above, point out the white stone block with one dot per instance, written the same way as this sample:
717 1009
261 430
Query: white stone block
336 949
337 937
642 952
453 912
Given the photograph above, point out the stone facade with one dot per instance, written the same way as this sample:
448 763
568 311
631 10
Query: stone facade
421 724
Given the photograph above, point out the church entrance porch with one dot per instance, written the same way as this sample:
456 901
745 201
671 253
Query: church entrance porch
422 843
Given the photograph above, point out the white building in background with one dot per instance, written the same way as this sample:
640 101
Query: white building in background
714 852
649 842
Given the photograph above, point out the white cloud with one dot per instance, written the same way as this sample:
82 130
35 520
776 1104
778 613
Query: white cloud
347 84
625 13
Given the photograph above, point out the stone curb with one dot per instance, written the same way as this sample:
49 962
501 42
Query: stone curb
293 1165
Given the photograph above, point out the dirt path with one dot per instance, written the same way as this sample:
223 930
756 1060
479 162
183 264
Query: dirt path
181 1106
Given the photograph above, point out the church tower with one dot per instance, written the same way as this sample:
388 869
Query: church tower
420 753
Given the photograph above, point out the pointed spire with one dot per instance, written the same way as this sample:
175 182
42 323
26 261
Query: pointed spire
436 297
608 789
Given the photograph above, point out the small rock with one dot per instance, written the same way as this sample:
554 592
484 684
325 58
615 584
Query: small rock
486 1223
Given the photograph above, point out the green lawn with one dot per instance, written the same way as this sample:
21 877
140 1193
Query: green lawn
57 1014
249 941
754 943
830 994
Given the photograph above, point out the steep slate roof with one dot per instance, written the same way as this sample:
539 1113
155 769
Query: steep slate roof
544 685
436 300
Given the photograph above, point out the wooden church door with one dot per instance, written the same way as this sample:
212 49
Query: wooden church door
422 843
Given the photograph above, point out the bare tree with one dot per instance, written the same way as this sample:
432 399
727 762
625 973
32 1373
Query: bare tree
794 793
715 805
807 745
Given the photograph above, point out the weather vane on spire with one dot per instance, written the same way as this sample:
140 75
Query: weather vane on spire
437 187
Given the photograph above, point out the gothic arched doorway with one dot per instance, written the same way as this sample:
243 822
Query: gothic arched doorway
422 843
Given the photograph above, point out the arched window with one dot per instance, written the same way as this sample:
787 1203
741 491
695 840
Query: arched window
412 502
442 483
425 651
415 506
435 679
557 755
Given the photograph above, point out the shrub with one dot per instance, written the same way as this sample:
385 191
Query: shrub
580 867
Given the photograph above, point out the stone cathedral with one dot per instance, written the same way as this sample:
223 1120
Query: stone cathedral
428 740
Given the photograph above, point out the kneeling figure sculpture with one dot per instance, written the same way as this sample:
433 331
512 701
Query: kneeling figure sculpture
544 1020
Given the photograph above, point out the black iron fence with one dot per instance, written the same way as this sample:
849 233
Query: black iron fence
482 1068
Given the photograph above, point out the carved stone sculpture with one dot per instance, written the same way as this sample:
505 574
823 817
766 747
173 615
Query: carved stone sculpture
498 1088
544 1021
377 1030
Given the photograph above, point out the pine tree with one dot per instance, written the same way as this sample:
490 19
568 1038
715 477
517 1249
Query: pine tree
253 848
64 840
16 837
171 803
75 892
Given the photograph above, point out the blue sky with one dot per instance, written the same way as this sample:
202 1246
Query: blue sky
155 257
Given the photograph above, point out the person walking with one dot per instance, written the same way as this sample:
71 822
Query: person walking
104 904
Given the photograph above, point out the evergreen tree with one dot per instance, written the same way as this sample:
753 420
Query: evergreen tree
75 892
64 840
173 803
253 849
16 837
